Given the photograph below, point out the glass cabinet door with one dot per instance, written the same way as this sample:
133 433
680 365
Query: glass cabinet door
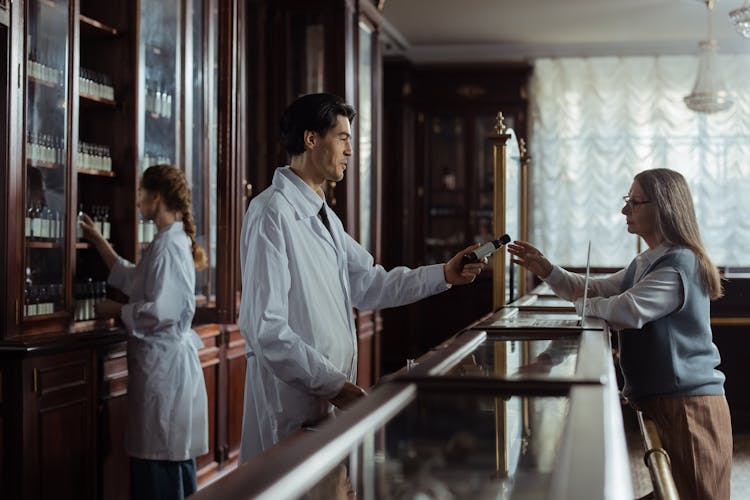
306 55
159 74
366 122
201 153
446 181
47 39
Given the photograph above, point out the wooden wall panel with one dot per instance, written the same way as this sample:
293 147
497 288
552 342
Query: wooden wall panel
63 432
58 430
210 362
236 368
114 463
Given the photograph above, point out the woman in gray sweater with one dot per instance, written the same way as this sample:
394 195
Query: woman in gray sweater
660 304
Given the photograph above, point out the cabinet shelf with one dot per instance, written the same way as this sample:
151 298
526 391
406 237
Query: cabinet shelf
98 100
97 173
93 324
96 28
38 317
43 83
155 116
42 164
42 244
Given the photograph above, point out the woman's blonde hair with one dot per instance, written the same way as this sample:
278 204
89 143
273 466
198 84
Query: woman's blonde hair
170 183
676 221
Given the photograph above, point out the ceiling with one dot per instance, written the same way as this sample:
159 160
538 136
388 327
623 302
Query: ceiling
498 30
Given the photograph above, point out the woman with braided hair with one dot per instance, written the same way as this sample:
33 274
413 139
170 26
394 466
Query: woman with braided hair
167 404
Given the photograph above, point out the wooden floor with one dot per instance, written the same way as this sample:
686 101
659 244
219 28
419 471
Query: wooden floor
740 467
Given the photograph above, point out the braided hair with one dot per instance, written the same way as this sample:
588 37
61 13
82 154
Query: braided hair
170 183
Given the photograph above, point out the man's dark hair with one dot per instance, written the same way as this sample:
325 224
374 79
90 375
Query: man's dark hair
315 112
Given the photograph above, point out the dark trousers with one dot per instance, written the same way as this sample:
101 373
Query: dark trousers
162 479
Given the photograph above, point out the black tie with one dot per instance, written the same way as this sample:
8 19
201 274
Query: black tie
324 217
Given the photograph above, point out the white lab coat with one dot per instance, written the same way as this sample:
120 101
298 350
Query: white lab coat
167 404
299 286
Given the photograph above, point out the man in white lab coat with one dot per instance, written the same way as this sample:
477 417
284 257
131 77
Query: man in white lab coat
301 277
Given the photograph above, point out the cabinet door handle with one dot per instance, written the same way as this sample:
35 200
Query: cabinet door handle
35 376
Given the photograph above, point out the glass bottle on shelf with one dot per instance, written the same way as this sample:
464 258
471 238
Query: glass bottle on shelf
79 220
27 220
106 227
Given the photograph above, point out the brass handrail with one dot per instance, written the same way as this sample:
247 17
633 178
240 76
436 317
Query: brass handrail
657 461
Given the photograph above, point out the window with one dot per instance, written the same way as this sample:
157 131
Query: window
597 122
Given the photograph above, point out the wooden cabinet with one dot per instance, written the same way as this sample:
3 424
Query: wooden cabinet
48 414
439 158
96 93
57 426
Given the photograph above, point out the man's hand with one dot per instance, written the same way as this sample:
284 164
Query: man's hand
108 309
458 274
347 396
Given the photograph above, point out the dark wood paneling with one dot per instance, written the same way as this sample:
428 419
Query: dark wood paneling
211 363
365 339
112 419
64 461
58 427
236 368
733 344
2 453
114 463
2 431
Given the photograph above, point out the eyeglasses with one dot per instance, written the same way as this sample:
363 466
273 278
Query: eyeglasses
629 201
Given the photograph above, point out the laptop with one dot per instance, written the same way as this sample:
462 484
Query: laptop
560 322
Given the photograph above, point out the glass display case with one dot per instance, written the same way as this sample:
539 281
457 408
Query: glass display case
486 356
46 158
499 415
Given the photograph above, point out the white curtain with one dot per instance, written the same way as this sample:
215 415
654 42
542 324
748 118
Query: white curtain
596 122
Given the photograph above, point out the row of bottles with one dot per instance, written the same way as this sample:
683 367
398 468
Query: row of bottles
96 84
150 160
43 148
41 223
87 295
40 299
146 230
43 72
100 215
158 101
94 157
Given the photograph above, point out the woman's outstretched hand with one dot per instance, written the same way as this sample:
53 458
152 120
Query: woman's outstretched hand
90 231
528 256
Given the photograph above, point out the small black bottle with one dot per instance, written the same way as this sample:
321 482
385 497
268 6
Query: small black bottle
485 250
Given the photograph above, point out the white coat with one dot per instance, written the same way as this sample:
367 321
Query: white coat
167 404
299 286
